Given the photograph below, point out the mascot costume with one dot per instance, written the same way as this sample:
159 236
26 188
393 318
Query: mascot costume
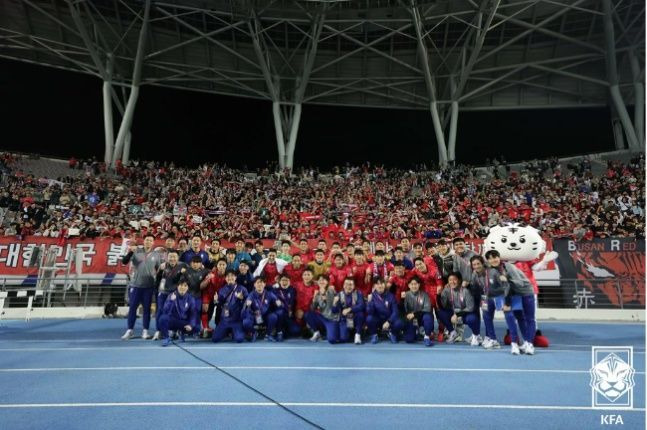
521 246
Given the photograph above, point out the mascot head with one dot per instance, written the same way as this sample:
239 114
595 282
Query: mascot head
515 242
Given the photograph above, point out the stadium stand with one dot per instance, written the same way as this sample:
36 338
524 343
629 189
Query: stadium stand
583 197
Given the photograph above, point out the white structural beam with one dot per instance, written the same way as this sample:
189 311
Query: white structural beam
639 98
129 111
286 105
107 113
612 75
430 84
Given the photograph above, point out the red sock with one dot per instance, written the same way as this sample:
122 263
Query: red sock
205 321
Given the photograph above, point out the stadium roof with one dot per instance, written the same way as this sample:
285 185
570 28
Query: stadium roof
443 56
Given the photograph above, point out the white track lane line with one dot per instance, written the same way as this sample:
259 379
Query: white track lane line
283 368
311 405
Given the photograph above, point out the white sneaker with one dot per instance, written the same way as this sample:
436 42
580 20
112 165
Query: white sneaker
145 334
315 337
460 329
128 335
514 348
494 344
452 337
522 347
530 349
157 335
358 339
474 341
480 339
487 342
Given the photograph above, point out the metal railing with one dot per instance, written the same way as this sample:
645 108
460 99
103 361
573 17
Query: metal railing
613 293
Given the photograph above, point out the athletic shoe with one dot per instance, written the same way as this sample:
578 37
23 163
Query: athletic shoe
145 334
393 338
128 335
270 338
374 339
522 347
166 341
460 329
157 335
474 341
487 343
452 337
530 349
514 348
279 336
428 341
494 344
315 337
480 339
358 339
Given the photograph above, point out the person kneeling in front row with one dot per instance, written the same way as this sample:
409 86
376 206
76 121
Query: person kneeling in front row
457 308
259 310
351 310
382 312
417 311
232 298
180 313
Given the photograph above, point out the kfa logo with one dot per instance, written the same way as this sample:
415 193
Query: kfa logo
612 377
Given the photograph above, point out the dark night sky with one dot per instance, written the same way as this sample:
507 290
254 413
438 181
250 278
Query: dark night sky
59 113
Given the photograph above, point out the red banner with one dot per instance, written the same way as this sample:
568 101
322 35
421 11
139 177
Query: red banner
97 255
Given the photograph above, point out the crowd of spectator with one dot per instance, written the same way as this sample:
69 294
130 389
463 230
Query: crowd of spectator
349 202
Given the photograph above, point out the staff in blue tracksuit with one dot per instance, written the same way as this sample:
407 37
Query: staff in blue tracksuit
324 313
180 313
245 277
286 325
513 281
417 312
457 308
486 280
141 288
168 276
382 311
259 310
231 298
352 312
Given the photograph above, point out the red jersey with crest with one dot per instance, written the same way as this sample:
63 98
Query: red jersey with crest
294 273
305 293
214 285
359 274
337 276
270 272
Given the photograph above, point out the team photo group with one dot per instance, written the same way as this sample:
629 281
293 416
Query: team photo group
425 292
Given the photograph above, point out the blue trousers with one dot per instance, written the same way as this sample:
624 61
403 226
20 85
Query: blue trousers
344 331
137 296
488 319
525 318
317 322
286 324
269 320
375 322
224 327
161 299
426 320
472 321
167 323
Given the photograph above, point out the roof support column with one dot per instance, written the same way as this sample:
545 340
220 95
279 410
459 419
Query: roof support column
430 84
453 123
129 111
286 108
612 75
639 99
107 113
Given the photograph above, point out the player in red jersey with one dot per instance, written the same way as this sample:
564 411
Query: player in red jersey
210 286
271 271
380 268
295 269
338 272
397 283
304 252
361 273
305 292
